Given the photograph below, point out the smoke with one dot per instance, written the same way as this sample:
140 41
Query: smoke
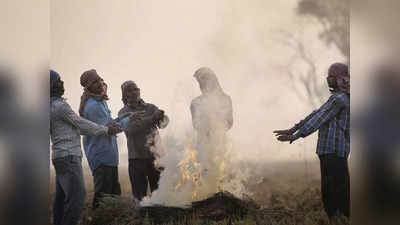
159 45
335 17
205 164
193 173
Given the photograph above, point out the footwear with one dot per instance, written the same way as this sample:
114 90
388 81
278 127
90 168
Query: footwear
137 202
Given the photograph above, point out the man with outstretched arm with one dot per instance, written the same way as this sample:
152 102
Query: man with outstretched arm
332 120
65 130
101 151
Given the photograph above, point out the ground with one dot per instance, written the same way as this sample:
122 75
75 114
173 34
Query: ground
285 193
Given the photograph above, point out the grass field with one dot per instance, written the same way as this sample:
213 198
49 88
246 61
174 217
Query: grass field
286 193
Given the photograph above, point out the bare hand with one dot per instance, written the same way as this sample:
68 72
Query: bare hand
283 132
285 138
113 128
158 115
160 168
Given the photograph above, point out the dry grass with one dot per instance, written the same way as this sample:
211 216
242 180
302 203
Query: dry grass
286 195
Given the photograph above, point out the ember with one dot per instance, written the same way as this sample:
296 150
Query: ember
219 206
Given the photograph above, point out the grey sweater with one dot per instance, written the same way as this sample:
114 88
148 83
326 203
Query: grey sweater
66 127
141 134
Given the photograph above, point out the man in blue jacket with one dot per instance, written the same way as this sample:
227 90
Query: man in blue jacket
65 130
101 151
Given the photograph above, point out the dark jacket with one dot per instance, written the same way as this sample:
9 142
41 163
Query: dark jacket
140 135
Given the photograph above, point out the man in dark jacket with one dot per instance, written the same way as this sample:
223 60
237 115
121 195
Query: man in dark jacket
141 137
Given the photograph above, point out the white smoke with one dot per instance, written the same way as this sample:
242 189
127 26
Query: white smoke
192 174
205 164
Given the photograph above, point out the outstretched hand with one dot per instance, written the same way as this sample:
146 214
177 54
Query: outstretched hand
284 135
283 132
113 128
285 138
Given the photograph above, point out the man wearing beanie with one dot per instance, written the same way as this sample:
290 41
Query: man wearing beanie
142 137
101 151
332 120
65 130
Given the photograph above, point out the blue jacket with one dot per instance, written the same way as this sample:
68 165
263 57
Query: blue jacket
101 149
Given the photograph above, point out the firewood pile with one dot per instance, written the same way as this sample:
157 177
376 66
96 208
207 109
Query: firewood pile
220 206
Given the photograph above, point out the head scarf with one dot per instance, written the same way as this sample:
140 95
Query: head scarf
105 87
87 79
54 76
124 87
341 72
207 78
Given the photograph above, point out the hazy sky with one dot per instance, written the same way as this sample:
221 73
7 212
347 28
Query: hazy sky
159 45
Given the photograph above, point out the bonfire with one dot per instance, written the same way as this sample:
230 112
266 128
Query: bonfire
220 206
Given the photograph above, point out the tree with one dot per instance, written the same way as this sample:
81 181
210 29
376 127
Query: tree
335 18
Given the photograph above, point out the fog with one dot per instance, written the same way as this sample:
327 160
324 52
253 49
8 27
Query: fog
159 45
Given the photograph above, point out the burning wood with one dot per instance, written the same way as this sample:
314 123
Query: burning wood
222 205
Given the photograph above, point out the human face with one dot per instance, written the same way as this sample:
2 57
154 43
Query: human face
104 88
96 87
332 83
202 83
59 87
132 94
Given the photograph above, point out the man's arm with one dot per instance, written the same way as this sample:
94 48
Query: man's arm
162 120
85 127
298 125
163 123
327 111
144 123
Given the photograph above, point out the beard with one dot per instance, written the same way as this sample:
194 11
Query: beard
133 101
57 92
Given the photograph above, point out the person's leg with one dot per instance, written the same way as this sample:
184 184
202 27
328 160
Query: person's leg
342 186
74 188
131 170
138 178
116 186
327 181
153 176
100 184
58 205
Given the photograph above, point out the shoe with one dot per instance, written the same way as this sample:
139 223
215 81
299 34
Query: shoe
137 203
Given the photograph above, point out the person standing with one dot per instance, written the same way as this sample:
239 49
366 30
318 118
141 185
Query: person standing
332 120
142 137
65 130
101 151
212 118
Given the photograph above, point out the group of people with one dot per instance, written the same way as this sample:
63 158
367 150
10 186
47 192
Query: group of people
137 119
212 118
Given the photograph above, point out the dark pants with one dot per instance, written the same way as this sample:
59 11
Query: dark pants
141 173
335 185
70 190
105 179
